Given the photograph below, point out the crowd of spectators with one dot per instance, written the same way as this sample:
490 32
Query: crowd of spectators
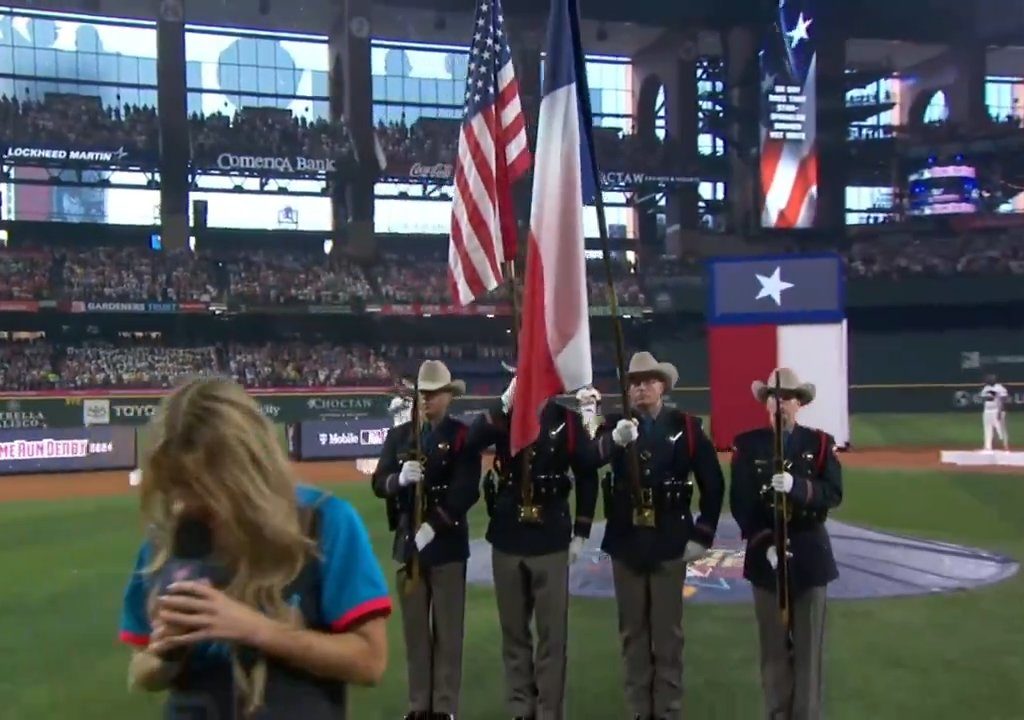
429 142
103 365
291 276
27 366
25 275
133 274
297 364
901 255
270 132
60 120
42 365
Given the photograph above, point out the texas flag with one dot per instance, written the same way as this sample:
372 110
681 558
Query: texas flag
769 312
554 341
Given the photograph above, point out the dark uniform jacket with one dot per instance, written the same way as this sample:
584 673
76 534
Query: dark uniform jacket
670 447
563 444
817 488
451 480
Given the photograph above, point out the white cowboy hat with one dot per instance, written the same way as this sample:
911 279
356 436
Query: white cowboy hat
643 363
788 382
434 376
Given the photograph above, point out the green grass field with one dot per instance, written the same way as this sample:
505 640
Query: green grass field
64 565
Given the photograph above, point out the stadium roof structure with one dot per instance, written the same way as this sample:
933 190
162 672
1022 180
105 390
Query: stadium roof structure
995 22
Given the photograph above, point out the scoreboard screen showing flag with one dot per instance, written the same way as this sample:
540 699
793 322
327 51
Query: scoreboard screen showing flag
789 156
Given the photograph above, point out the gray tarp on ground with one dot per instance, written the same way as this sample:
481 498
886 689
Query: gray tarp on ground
871 565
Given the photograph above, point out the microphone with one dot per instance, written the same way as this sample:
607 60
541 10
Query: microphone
191 549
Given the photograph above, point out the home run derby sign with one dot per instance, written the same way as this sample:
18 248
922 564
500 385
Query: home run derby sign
871 565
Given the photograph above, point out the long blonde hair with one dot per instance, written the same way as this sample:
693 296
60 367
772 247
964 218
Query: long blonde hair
211 443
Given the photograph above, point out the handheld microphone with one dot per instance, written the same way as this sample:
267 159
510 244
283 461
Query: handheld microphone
191 549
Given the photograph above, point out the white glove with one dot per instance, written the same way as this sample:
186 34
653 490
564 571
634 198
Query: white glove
506 397
396 405
694 551
423 536
576 549
135 477
782 482
412 473
625 432
773 556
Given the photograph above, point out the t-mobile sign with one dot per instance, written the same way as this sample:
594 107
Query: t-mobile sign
342 439
40 450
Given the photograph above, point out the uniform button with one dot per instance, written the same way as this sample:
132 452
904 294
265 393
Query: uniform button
647 473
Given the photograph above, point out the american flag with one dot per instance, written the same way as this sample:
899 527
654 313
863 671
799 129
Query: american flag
493 154
789 166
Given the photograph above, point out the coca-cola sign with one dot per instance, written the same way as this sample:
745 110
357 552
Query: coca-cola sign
438 171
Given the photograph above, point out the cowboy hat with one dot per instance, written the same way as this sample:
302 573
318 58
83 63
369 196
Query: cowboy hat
788 383
434 376
643 363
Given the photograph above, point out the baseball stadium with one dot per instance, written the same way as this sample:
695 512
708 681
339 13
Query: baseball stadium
279 194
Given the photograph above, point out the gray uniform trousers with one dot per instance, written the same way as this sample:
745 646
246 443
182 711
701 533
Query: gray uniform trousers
651 628
536 587
792 683
433 617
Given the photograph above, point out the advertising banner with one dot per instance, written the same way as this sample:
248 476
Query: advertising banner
343 439
56 156
442 173
274 165
47 450
79 306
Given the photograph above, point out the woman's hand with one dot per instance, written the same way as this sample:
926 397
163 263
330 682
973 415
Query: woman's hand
196 612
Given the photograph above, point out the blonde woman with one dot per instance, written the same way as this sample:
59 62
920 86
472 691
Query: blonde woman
302 606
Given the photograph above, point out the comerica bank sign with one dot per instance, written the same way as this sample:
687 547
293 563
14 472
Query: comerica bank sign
272 164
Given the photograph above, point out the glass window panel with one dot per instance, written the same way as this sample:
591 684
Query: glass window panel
410 90
428 90
128 70
147 71
266 82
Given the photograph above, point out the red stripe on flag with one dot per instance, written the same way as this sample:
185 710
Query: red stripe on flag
738 355
540 381
805 181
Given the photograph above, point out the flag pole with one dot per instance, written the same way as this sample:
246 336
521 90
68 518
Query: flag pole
606 253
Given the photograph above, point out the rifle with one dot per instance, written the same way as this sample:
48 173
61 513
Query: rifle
419 499
782 515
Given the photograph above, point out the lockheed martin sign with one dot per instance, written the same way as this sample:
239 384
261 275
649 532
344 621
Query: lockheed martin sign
56 156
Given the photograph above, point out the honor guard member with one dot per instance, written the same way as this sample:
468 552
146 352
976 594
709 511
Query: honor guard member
534 540
651 533
791 675
428 495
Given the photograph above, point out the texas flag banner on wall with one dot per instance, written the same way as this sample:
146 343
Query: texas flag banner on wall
768 312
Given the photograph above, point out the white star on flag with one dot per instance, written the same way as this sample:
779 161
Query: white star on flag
799 32
772 286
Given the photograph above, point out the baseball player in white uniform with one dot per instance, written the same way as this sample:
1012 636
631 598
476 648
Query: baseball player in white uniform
993 416
400 410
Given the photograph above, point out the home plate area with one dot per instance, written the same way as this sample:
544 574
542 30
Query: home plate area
871 565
